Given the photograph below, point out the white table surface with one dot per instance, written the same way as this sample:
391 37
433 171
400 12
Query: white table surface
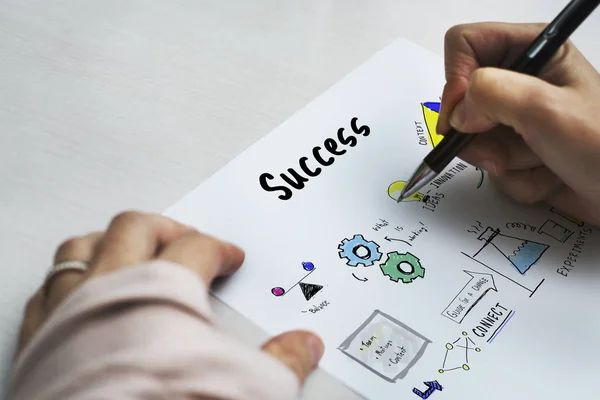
129 104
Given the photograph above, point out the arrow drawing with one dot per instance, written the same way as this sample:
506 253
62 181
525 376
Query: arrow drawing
468 297
389 239
357 278
431 387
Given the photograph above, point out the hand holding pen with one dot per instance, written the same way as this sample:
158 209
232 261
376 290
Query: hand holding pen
536 136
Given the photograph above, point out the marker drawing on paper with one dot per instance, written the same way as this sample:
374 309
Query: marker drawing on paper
431 113
404 267
468 297
309 290
395 189
390 239
521 253
457 354
359 251
385 346
555 230
502 325
574 220
455 257
531 291
481 178
432 386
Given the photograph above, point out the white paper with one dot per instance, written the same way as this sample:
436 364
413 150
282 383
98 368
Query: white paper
465 295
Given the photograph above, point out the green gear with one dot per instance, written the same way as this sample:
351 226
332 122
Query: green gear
391 267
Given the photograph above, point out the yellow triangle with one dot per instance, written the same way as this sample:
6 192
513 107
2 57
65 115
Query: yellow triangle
431 119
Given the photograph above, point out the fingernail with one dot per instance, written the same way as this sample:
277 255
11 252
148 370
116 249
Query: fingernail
316 349
458 116
490 167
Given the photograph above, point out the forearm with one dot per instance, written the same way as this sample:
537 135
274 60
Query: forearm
144 332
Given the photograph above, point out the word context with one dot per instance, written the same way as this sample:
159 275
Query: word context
296 180
421 133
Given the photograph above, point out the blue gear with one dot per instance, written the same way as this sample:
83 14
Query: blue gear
349 247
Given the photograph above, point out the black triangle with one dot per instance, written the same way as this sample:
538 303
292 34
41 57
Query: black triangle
309 290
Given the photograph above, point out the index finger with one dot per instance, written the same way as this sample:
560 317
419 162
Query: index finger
485 44
468 47
206 255
134 237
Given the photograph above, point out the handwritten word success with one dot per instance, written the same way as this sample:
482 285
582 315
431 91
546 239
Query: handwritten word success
297 180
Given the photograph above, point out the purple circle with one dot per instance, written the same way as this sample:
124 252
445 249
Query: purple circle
308 266
278 291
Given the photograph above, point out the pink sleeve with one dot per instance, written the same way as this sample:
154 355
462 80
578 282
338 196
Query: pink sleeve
144 332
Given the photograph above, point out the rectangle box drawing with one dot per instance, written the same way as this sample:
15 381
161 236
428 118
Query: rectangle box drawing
385 346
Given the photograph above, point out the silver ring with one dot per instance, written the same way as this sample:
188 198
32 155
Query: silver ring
67 265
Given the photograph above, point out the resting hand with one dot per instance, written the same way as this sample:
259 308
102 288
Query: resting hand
539 136
133 238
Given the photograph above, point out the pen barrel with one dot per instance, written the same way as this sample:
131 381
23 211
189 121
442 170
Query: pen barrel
554 35
442 155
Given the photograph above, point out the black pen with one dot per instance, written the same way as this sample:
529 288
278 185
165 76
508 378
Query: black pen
533 59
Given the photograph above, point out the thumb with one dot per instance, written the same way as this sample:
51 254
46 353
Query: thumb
300 351
502 97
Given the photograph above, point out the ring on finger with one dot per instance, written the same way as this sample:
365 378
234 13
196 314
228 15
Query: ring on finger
62 267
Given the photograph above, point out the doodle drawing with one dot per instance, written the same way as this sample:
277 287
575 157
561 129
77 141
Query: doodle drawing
402 266
468 297
521 253
555 231
309 290
531 291
431 388
462 349
574 220
395 189
499 329
481 178
359 279
358 250
385 346
431 113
